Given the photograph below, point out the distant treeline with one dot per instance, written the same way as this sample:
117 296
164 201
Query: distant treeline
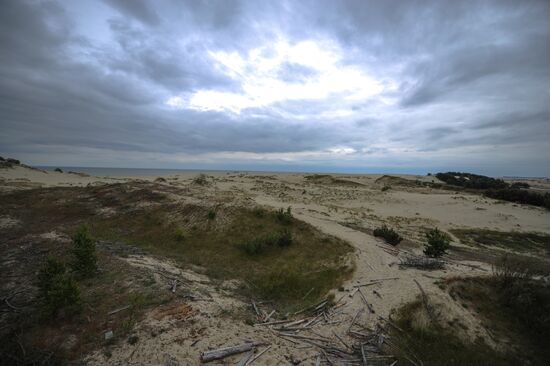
496 188
474 181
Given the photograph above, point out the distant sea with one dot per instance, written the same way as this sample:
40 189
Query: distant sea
119 172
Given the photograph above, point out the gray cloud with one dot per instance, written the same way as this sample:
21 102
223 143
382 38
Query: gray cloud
138 9
458 76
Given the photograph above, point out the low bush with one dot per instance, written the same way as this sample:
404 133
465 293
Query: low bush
259 244
84 253
57 289
469 180
200 180
437 244
519 185
253 247
284 238
179 235
520 196
389 235
211 215
284 216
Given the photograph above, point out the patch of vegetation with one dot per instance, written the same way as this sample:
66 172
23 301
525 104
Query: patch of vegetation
285 216
513 305
211 215
518 241
201 180
286 284
328 179
431 343
469 180
385 188
520 185
437 244
496 188
389 235
272 243
263 242
387 181
8 162
57 290
520 196
84 253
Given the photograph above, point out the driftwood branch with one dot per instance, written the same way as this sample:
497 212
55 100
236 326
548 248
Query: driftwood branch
220 353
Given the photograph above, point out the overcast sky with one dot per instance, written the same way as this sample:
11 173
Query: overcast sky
356 86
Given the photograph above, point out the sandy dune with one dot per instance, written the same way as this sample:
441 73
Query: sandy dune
328 206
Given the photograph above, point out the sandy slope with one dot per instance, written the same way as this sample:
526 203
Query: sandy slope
326 207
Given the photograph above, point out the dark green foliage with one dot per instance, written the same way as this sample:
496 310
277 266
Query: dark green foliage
200 180
496 188
8 162
468 180
284 216
520 196
211 215
85 258
519 185
386 188
437 244
261 243
253 247
389 235
284 238
259 212
58 170
57 289
179 235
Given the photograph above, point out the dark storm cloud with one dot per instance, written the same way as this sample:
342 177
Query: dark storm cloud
455 75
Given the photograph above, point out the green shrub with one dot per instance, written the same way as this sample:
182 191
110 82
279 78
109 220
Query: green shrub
253 247
284 216
258 212
389 235
57 290
520 196
519 185
211 215
179 235
438 243
200 180
259 244
469 180
84 253
284 238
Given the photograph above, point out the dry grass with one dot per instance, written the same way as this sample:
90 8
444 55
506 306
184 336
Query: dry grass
30 337
432 343
282 273
514 240
515 312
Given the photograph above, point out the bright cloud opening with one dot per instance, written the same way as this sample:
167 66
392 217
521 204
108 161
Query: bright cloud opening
316 73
